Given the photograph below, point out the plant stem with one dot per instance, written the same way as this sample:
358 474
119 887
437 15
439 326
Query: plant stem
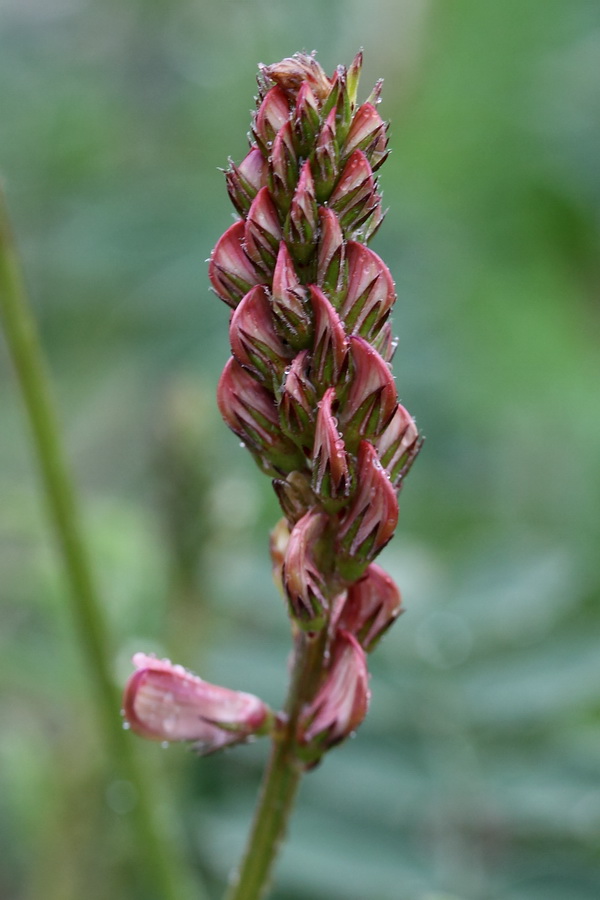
281 781
165 878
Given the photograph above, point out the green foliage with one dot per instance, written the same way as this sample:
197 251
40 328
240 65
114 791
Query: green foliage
475 775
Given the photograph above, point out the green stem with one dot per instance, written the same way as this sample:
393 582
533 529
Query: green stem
165 878
281 781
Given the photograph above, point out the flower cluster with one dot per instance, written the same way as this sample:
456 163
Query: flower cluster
308 388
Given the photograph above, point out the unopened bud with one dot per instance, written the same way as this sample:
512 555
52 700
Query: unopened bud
355 196
373 603
165 702
263 231
399 445
342 701
273 113
367 133
331 252
283 169
290 73
245 181
330 343
331 476
306 118
250 411
370 293
304 582
325 159
231 272
372 517
301 226
298 402
371 398
289 303
254 341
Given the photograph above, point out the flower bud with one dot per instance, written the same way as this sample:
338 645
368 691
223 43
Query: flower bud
370 292
371 397
250 411
355 197
306 118
254 341
367 133
342 701
289 302
331 252
164 702
303 579
298 403
399 445
330 343
263 231
245 181
371 520
353 77
231 272
339 101
384 343
278 541
325 159
291 72
373 603
301 225
331 476
295 496
283 169
273 113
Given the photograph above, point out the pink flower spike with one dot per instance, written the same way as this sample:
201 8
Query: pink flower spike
373 603
165 702
373 515
263 231
303 580
370 294
230 270
273 113
331 476
372 396
341 703
254 341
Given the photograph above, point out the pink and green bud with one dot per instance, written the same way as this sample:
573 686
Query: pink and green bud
306 119
289 302
331 475
250 411
262 232
254 342
230 270
371 397
330 343
367 133
339 101
303 578
384 343
273 113
369 523
331 249
372 223
245 181
325 160
399 445
373 603
165 702
294 71
370 292
353 77
341 703
355 196
298 403
283 169
302 222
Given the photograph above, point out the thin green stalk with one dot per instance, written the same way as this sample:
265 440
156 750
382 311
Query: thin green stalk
281 781
165 876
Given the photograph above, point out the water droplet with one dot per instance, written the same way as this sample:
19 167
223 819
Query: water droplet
242 444
164 744
126 726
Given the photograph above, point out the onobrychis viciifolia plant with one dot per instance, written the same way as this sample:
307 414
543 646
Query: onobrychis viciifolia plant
309 391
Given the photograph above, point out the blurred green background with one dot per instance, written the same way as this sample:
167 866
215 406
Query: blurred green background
476 774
